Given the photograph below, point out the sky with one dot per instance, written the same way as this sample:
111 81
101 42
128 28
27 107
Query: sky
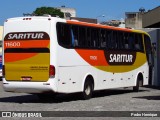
111 9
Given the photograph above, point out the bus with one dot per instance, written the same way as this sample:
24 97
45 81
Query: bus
44 55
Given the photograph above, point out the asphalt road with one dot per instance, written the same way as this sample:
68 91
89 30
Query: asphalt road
148 99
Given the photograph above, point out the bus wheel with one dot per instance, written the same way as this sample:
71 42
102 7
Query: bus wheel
88 90
139 83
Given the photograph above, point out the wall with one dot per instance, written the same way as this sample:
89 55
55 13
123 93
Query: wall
151 19
155 39
133 20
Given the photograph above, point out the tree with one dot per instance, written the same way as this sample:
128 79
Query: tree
48 10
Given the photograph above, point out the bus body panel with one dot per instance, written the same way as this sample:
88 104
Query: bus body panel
25 49
74 69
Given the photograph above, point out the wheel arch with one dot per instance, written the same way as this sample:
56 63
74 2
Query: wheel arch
90 77
139 77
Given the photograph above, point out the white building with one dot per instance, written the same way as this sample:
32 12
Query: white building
68 12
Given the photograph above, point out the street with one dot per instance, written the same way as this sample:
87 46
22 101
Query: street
147 99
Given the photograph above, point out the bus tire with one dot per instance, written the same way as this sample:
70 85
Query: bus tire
138 83
88 89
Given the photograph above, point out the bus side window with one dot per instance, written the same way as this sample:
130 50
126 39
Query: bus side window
139 42
126 42
137 46
113 40
131 41
82 37
116 40
89 41
64 34
103 38
147 42
149 50
95 37
109 39
75 41
121 40
74 33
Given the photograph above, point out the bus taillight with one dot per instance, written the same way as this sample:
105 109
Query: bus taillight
52 71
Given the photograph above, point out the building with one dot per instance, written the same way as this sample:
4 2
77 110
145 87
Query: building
133 20
68 12
142 19
151 19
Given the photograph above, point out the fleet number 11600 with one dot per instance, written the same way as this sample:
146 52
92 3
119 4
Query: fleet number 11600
12 44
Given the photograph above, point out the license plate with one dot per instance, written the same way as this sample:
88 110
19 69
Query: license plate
26 78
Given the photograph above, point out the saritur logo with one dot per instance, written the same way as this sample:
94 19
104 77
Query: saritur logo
27 36
120 57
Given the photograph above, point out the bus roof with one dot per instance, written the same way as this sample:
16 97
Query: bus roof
76 22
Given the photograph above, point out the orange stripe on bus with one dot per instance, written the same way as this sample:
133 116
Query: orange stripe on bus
26 44
12 57
93 57
98 26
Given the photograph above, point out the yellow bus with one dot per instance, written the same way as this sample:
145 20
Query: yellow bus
54 55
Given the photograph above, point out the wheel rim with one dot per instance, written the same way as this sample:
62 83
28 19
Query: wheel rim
88 90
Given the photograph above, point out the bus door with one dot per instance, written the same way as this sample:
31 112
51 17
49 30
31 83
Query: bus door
150 56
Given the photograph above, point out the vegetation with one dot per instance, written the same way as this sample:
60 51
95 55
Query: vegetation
48 10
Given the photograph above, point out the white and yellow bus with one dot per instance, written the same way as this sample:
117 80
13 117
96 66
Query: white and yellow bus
54 55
